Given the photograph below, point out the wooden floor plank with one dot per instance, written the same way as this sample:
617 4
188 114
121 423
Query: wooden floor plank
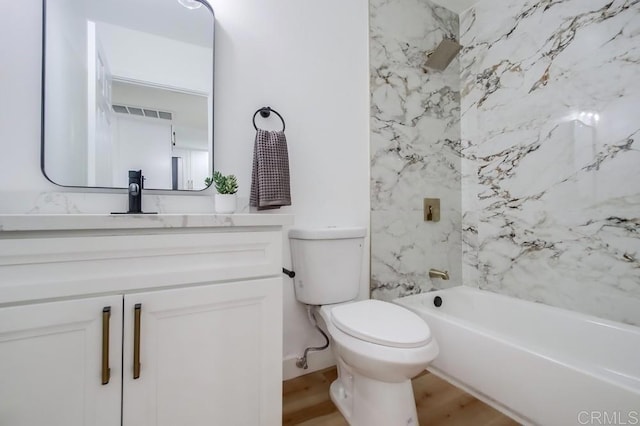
306 402
333 419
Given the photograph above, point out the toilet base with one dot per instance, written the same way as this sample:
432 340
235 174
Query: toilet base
367 402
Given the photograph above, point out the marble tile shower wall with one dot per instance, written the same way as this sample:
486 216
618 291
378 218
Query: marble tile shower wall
415 148
551 152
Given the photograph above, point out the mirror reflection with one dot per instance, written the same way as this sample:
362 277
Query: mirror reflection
128 85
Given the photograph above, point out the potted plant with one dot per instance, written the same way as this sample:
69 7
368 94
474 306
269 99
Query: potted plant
226 187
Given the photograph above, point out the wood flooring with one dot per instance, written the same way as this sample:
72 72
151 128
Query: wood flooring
306 402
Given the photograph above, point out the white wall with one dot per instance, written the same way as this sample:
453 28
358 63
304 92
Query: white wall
142 143
308 60
144 57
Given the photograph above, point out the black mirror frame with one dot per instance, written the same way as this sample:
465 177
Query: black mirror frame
42 110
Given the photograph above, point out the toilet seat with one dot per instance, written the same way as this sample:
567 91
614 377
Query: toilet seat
384 363
382 323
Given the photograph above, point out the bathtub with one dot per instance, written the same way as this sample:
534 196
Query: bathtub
536 363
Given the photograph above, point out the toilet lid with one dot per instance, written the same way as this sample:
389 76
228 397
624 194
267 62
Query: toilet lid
383 323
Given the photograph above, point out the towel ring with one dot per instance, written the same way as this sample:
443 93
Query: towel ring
266 112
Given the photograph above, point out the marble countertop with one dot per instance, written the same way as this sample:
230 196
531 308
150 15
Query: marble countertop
57 222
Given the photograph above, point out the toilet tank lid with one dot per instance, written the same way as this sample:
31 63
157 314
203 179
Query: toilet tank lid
328 233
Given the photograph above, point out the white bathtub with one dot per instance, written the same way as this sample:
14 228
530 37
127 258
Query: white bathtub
536 363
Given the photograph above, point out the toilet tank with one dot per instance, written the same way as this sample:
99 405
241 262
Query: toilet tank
327 263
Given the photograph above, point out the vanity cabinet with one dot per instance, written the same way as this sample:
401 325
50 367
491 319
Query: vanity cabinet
207 355
51 360
189 325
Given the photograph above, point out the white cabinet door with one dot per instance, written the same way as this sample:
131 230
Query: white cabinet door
209 355
51 363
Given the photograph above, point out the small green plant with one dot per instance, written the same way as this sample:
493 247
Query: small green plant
224 184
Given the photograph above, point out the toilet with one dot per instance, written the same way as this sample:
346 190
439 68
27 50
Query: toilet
379 346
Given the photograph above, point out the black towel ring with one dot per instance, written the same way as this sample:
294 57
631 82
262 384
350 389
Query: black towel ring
266 112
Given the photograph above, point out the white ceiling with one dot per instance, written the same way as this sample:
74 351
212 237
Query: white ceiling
165 18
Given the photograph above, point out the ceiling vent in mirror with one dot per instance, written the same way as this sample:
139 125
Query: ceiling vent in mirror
150 113
121 109
142 112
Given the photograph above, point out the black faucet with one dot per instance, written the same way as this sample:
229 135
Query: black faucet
136 184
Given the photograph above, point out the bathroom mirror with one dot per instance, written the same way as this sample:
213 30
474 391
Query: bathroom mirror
127 85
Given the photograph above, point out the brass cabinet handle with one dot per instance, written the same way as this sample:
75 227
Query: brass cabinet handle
136 340
106 371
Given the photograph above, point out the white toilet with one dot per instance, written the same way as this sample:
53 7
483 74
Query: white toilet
379 346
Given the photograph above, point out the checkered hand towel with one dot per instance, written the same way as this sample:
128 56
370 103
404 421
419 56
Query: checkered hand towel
270 179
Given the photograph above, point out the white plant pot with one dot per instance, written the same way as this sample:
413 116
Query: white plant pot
225 203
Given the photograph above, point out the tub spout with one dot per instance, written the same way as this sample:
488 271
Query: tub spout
436 273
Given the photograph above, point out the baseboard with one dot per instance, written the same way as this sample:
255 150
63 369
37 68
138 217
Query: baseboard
315 361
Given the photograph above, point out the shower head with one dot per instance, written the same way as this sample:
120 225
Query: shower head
440 58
